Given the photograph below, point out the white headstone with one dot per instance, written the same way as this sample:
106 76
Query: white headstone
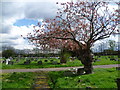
7 61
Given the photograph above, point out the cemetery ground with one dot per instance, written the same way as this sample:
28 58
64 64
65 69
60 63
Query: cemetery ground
100 78
30 63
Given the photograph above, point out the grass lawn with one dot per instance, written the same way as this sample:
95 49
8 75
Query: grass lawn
101 78
17 80
104 60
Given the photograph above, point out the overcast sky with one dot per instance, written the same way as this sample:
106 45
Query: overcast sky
19 17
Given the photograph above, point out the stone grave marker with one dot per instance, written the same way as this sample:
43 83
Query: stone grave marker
40 62
96 60
116 59
27 62
80 71
113 59
51 60
18 59
117 68
54 62
10 62
35 59
72 58
46 61
7 61
4 61
88 88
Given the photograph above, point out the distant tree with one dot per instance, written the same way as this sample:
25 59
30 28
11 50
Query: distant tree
77 27
8 53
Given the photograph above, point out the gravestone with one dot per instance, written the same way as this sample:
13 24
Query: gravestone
54 62
35 59
7 60
39 62
80 71
88 88
4 61
51 60
96 60
117 68
17 60
10 62
116 59
46 61
72 58
99 56
27 62
113 59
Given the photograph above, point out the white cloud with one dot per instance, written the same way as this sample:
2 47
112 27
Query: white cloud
12 11
24 46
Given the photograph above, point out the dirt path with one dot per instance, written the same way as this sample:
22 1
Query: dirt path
54 69
41 80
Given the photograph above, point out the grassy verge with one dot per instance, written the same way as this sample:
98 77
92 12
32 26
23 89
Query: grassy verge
17 80
103 60
101 78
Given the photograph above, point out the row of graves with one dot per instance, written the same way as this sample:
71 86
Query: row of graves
111 58
28 60
39 61
8 61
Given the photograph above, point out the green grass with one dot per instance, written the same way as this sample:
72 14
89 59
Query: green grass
103 61
101 78
17 80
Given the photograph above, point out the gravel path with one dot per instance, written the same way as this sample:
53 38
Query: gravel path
54 69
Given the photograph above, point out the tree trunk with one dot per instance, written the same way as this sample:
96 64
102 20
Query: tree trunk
88 67
62 59
86 59
62 56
